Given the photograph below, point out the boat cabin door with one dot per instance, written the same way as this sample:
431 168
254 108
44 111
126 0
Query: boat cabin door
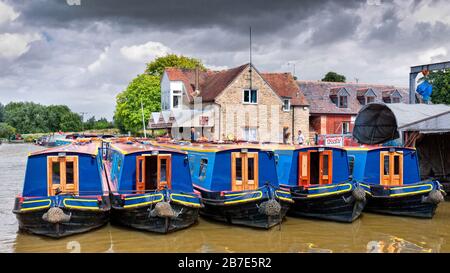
315 167
153 172
391 168
244 171
62 175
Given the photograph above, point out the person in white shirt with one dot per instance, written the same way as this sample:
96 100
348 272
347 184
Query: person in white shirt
300 138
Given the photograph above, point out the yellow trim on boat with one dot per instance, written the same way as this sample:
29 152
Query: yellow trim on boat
430 188
37 201
284 198
80 200
144 203
184 202
410 187
143 196
331 193
245 200
241 193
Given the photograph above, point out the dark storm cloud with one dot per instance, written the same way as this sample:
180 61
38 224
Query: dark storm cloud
265 15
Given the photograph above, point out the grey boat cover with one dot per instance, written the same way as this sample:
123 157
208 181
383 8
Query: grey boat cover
377 123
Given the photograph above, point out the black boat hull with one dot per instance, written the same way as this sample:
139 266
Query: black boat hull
341 207
140 218
80 221
411 205
244 214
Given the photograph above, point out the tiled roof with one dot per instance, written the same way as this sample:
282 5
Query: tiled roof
318 95
285 86
212 83
389 92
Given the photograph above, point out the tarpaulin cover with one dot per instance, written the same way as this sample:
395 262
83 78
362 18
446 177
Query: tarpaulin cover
378 122
425 89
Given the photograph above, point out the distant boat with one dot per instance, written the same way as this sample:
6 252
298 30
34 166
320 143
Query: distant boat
318 180
151 187
238 185
390 176
65 191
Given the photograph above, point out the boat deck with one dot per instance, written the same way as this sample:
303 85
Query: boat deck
90 148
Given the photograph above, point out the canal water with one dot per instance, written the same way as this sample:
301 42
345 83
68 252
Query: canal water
371 233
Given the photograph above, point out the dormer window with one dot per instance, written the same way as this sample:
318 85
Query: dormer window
365 95
339 96
250 96
286 104
392 96
343 101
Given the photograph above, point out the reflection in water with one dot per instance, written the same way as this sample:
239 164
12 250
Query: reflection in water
371 233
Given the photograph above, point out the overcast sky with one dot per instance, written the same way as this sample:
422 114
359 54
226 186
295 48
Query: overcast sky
84 52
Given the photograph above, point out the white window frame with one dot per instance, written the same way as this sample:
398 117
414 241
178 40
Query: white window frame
246 133
249 96
348 127
179 94
288 104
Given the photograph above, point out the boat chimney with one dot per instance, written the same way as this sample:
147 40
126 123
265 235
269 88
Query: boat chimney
197 80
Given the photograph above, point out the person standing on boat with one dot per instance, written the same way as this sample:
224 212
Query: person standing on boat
300 138
192 134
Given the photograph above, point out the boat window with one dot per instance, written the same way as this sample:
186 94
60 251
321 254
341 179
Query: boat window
202 170
251 168
386 165
62 174
163 169
69 173
325 165
238 168
396 165
56 173
351 163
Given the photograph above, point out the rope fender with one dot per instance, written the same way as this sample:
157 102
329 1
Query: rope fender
56 215
164 210
359 194
270 207
434 197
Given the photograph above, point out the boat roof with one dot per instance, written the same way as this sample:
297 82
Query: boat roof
210 147
377 148
136 147
90 148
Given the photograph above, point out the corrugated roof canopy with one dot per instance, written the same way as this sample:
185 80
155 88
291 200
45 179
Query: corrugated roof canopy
378 122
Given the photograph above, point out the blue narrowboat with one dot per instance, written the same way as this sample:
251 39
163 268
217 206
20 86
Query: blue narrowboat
151 187
318 180
391 179
238 185
65 191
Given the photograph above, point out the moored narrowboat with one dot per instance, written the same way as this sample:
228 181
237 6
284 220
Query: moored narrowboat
318 180
65 191
238 185
391 179
151 187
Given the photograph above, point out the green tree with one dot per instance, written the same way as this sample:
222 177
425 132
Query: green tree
2 112
102 123
333 77
128 116
441 86
157 66
6 130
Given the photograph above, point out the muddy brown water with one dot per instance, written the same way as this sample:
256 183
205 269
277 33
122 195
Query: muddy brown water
371 233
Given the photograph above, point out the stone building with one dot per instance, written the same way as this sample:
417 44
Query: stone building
238 103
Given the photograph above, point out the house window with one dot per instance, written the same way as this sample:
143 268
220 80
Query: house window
370 99
343 101
176 99
286 105
345 127
395 100
250 96
249 134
